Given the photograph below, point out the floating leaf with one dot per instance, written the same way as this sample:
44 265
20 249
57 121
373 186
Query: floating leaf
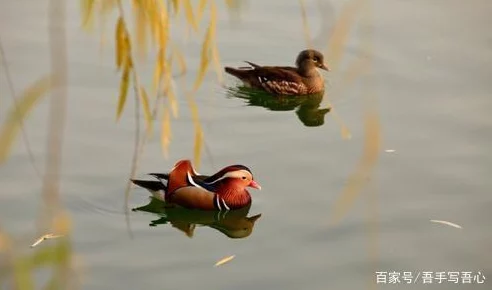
19 112
146 109
446 223
124 84
44 238
225 260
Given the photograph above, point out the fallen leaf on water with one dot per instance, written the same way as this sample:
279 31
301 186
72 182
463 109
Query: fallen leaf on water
43 238
225 260
446 223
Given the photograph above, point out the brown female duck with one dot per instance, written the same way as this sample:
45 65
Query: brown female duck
184 187
282 80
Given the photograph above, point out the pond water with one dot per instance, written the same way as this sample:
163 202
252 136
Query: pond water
430 73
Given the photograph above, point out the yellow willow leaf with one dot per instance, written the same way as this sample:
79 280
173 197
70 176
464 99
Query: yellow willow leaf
214 49
120 38
125 82
197 149
62 223
158 70
146 109
87 13
153 18
204 62
172 100
181 61
19 112
339 38
176 6
360 176
354 70
231 3
107 6
164 26
305 25
198 130
346 135
165 132
189 14
140 29
22 274
213 19
216 62
5 243
225 260
200 10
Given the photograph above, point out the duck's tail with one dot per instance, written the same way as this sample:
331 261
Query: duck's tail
157 188
237 72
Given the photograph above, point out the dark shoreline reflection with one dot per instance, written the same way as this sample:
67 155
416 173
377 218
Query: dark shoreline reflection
308 107
235 223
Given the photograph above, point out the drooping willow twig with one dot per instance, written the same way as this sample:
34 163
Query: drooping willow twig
13 94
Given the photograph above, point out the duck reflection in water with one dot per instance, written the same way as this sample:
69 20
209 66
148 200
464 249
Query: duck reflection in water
234 223
308 106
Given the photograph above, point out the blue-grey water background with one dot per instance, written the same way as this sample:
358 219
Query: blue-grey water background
430 74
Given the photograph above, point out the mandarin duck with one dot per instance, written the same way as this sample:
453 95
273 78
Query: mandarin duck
235 224
183 186
303 79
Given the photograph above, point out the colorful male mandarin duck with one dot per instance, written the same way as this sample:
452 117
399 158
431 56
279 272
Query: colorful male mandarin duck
303 79
225 190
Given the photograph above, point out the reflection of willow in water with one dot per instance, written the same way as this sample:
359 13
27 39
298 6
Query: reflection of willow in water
308 106
235 223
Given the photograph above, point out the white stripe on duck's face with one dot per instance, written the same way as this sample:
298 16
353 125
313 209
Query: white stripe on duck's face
239 174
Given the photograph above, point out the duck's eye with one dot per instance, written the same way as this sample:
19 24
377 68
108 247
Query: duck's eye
244 177
315 59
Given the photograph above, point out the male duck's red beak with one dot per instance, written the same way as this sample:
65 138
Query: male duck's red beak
254 184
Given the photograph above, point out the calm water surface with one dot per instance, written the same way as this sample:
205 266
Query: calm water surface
432 64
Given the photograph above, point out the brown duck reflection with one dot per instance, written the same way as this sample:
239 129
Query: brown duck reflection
308 106
235 223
